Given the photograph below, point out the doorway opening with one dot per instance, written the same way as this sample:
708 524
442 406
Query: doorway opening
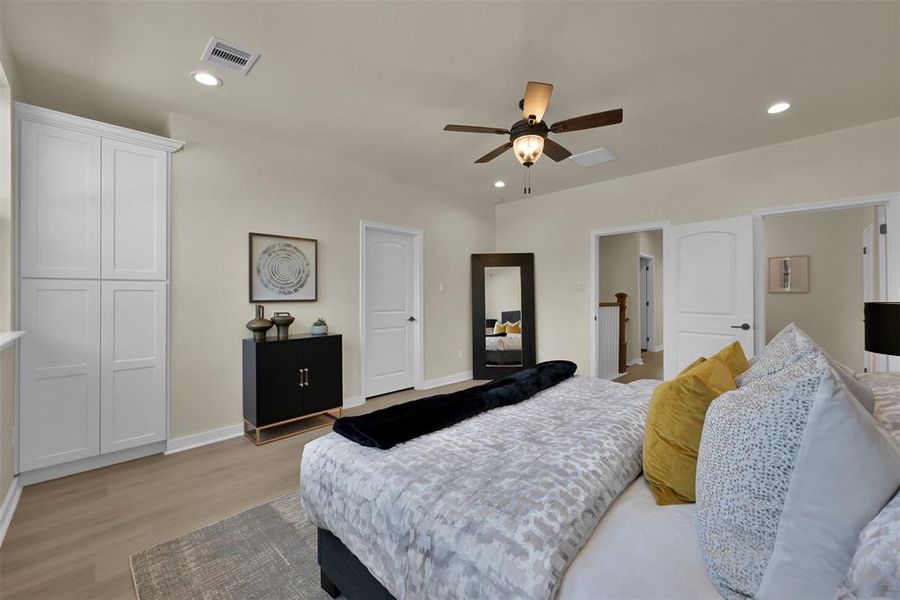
819 268
392 316
627 299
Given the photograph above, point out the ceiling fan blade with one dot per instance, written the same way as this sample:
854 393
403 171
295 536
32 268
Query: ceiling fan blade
537 97
476 129
555 151
600 119
494 153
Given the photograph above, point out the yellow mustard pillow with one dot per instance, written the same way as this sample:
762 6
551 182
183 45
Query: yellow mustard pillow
734 358
514 327
499 327
692 365
674 425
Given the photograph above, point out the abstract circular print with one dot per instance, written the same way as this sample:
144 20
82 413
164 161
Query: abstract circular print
283 269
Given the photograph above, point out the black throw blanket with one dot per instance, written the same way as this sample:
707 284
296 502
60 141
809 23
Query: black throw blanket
400 423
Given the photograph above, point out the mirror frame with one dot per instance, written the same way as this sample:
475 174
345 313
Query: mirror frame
525 262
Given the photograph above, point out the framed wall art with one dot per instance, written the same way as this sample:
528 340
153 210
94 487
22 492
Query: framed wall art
283 268
788 274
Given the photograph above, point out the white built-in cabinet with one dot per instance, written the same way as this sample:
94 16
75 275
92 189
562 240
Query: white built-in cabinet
93 231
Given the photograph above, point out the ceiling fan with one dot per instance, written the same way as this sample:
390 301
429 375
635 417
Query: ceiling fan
528 137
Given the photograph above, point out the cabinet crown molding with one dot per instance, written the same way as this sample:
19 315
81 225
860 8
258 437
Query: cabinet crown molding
60 119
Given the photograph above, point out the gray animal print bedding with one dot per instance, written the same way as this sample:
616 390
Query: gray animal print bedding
493 507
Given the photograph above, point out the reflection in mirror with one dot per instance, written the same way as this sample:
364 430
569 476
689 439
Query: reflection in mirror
503 316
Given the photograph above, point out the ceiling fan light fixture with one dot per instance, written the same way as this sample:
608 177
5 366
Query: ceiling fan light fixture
528 148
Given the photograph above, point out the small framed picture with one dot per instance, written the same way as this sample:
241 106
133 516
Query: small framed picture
283 268
788 274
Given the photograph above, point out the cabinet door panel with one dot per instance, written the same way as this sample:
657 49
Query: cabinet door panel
280 396
60 202
133 367
134 211
60 372
322 356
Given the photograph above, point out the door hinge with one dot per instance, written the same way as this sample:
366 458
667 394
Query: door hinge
648 304
882 229
865 250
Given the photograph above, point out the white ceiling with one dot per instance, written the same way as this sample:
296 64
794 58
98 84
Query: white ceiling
374 82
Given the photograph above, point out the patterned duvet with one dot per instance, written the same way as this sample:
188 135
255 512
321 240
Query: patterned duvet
493 507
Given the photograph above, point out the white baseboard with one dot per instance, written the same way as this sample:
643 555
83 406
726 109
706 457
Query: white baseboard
658 348
221 434
354 401
429 384
204 438
89 464
634 361
9 506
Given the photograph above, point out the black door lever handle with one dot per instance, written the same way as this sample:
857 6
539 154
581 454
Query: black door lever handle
744 326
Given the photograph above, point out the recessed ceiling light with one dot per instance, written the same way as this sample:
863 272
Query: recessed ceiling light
207 79
499 184
779 107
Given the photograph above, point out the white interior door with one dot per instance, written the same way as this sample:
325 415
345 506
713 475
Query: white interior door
133 364
646 287
60 202
708 284
59 411
390 318
134 198
868 267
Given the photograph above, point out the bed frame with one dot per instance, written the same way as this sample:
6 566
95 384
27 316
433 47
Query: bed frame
342 573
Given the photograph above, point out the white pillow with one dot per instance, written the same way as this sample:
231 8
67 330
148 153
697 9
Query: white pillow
783 350
792 344
875 569
791 468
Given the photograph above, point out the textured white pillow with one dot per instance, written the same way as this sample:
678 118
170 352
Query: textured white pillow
791 468
783 350
792 344
875 570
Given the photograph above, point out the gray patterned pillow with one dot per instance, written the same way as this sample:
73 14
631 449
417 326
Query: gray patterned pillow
791 468
875 570
782 351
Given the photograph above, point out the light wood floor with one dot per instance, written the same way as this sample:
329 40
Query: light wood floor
651 369
71 538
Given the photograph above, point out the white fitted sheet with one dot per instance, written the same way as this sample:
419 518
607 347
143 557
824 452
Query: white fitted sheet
640 550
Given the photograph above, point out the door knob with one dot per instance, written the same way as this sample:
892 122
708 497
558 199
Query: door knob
744 326
411 319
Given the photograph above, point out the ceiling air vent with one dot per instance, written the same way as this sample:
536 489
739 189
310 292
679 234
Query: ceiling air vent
229 56
593 157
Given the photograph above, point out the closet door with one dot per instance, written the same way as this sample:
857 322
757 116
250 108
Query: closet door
133 364
59 416
60 202
134 194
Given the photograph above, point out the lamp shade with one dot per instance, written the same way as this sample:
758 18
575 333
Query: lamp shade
883 327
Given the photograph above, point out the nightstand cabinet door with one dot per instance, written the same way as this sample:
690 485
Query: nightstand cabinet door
279 382
324 388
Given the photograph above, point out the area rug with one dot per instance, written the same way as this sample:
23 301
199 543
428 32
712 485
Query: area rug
265 553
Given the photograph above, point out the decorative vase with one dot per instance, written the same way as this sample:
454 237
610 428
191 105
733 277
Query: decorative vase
319 329
260 325
282 322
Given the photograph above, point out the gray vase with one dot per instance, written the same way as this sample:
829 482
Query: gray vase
260 325
282 322
319 329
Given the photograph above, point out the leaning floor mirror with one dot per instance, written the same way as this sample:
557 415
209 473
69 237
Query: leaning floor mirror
502 314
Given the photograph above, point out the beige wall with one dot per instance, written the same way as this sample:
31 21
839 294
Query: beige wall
502 290
7 280
619 257
226 184
840 164
831 312
652 245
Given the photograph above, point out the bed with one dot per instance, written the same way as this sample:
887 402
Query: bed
504 348
500 506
